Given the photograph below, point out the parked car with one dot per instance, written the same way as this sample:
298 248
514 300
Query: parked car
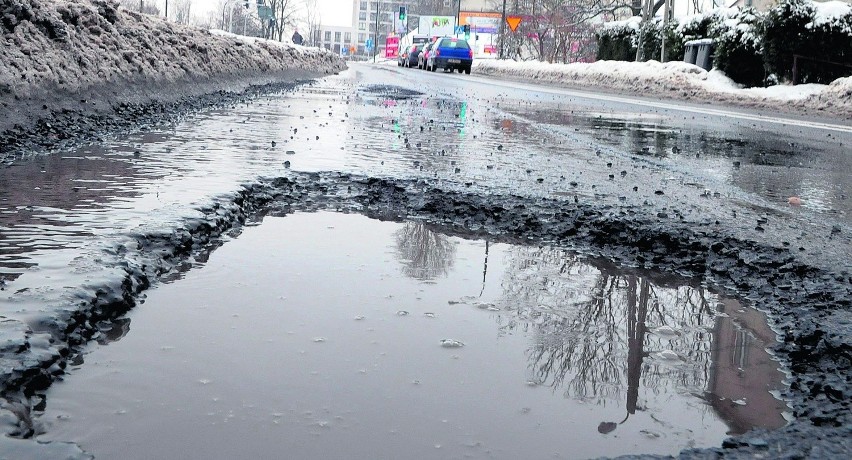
414 54
409 56
450 53
403 56
421 58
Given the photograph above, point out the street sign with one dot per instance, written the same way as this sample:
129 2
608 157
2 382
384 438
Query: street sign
513 22
264 12
369 43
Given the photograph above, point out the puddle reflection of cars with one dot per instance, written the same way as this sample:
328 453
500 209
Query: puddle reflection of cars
450 53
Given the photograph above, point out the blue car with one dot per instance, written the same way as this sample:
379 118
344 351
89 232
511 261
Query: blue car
450 54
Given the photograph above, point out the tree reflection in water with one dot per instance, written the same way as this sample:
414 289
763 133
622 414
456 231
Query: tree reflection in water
424 254
600 336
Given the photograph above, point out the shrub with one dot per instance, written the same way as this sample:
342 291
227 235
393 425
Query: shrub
617 40
652 39
739 49
800 27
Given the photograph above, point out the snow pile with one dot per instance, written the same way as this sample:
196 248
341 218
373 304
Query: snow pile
641 77
74 46
833 14
677 80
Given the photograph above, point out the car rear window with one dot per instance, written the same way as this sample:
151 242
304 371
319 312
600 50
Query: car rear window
460 44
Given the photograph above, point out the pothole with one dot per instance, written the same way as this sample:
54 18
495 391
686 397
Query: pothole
331 334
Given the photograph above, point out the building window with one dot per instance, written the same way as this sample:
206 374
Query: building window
337 37
328 35
347 37
362 38
362 26
363 6
362 15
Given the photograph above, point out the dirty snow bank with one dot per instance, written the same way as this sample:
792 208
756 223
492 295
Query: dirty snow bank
679 80
55 49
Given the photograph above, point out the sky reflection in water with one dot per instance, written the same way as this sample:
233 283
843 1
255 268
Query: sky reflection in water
328 335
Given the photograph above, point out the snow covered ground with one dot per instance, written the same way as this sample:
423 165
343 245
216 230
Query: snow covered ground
55 53
71 46
678 80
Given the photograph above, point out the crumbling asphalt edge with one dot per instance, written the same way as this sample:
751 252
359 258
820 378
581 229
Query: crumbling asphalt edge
803 302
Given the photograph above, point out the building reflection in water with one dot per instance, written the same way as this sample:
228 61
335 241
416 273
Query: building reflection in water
608 337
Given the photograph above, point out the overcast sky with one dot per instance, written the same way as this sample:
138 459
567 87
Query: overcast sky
333 12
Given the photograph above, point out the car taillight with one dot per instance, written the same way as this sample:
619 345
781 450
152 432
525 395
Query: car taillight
470 53
437 52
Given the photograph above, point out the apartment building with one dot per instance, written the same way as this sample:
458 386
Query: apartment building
336 38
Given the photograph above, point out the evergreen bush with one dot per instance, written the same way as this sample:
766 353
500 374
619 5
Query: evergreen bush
652 36
751 48
783 35
617 41
739 47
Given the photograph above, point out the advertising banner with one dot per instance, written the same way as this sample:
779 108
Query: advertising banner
481 23
436 26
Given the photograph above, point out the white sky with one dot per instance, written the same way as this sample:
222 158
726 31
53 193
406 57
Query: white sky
332 12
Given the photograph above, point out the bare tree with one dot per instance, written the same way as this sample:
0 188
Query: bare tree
181 11
142 6
594 328
313 20
284 14
424 254
561 30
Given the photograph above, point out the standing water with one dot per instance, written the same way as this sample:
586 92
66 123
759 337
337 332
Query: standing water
331 335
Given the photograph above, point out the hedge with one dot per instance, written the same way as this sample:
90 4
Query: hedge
751 48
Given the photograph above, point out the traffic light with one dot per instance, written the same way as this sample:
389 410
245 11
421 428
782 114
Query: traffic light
402 13
466 29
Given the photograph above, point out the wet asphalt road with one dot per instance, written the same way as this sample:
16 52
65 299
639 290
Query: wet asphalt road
66 217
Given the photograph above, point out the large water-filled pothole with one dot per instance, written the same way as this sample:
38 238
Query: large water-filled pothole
328 335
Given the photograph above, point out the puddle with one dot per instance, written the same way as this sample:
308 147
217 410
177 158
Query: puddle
330 335
773 167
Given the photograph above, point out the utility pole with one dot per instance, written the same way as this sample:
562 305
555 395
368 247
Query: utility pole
167 9
666 15
376 41
502 30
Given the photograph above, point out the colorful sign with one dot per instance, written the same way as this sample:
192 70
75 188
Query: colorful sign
391 47
513 22
436 25
481 23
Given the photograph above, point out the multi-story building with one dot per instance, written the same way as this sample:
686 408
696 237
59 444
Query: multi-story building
336 38
366 12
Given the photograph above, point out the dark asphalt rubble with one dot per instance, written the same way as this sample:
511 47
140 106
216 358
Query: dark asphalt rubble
809 306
